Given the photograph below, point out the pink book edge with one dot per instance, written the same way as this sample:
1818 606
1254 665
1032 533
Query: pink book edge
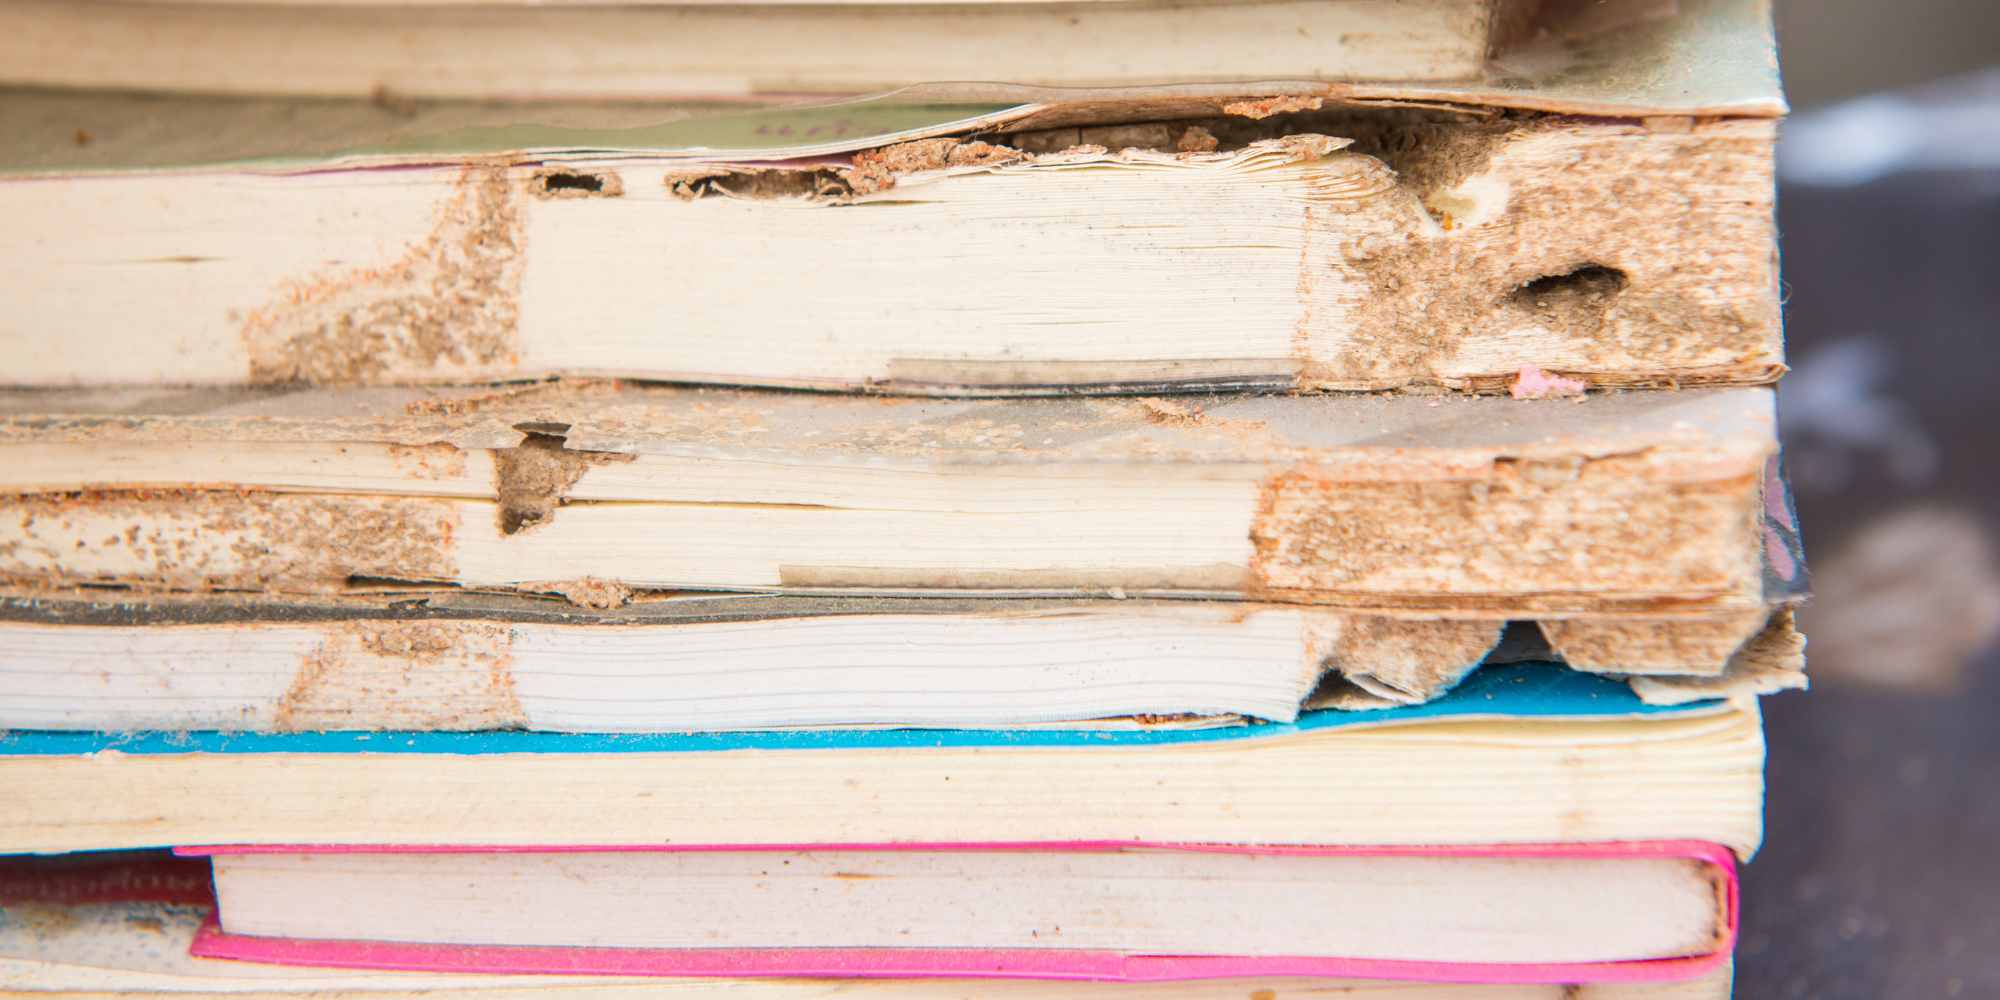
1058 964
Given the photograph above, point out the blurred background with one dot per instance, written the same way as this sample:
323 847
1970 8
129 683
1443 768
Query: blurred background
1884 800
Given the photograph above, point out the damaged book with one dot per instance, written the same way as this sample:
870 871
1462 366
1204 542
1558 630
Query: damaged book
446 662
1601 217
1523 754
1608 520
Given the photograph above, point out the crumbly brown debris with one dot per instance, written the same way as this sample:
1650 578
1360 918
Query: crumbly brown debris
589 592
1596 242
1574 531
222 540
556 393
877 169
446 675
1265 107
1196 139
1171 412
428 461
448 305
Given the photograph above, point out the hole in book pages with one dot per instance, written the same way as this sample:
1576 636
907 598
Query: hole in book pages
1587 285
573 182
817 184
530 480
533 478
558 183
1522 642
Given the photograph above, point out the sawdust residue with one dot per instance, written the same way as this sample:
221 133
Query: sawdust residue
1644 257
1169 412
449 306
1196 139
428 461
217 540
552 394
1582 529
377 675
877 169
1265 107
588 592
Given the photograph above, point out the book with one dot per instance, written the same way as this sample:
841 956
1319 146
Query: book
1603 215
77 928
710 662
1555 913
1521 754
1613 515
1302 260
539 675
737 49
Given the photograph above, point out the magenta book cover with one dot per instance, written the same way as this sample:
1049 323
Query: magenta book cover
1052 963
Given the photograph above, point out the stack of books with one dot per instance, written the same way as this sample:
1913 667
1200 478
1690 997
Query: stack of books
1274 499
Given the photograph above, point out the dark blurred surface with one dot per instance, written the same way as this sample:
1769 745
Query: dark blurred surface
1878 876
1835 49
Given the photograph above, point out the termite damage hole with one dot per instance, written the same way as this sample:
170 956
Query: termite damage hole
1590 286
531 479
760 184
534 478
564 183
